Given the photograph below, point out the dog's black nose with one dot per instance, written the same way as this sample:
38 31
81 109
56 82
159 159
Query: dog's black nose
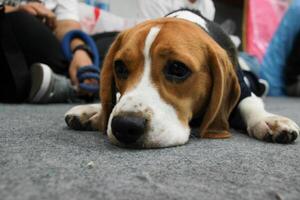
128 129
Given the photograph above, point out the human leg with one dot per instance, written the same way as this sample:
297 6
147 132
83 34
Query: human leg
37 44
292 70
280 47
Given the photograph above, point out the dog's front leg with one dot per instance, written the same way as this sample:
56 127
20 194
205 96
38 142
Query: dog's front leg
264 125
84 117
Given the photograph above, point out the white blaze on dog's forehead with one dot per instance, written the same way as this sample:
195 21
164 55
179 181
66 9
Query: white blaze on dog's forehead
165 128
149 41
190 16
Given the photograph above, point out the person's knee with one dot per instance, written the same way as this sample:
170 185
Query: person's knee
19 14
20 17
27 26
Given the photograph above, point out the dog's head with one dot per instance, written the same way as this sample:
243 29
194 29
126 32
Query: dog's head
167 71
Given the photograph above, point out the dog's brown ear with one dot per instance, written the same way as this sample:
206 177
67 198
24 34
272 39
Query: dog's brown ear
107 84
225 93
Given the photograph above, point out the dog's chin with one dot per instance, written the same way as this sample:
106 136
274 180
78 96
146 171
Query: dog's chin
149 143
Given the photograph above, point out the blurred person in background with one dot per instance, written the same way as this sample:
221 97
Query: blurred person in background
32 65
39 72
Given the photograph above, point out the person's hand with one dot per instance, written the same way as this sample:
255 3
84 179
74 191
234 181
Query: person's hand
40 11
80 59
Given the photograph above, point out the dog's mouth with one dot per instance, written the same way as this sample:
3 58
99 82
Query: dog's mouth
139 131
143 121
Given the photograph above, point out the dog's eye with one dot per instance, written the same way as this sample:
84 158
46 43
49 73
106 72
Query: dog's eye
121 69
176 71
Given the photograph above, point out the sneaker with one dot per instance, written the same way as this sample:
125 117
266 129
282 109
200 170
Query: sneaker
48 87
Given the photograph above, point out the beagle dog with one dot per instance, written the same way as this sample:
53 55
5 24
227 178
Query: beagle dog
166 76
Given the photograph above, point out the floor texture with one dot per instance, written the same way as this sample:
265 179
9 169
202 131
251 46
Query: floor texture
40 158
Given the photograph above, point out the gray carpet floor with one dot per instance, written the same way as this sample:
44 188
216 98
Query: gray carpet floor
40 158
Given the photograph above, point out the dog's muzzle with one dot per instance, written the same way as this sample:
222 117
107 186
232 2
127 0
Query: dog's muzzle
128 129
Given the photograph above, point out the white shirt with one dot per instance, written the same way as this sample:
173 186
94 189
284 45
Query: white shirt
152 9
63 9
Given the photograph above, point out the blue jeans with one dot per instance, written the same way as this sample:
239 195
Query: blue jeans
280 47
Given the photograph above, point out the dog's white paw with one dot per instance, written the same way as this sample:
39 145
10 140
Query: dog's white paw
83 117
275 128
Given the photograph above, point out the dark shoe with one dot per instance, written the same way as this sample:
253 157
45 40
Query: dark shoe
48 87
